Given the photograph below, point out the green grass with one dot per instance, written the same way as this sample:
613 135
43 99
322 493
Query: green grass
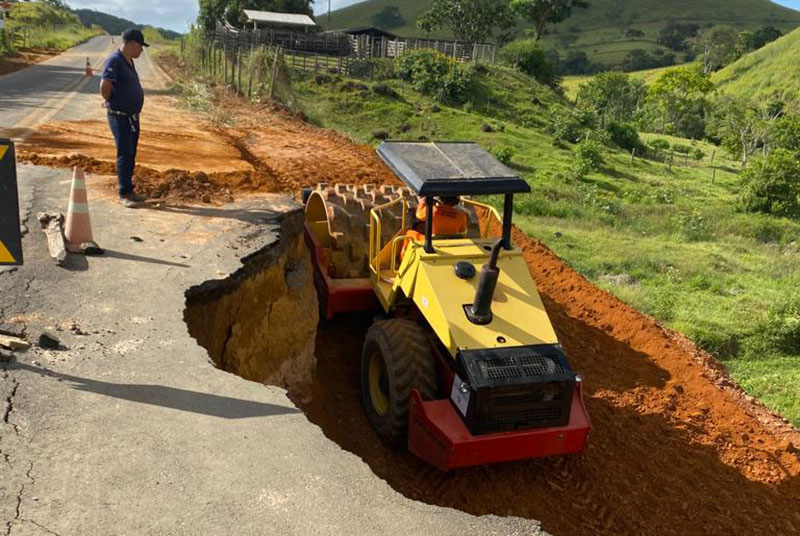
602 26
770 71
688 256
39 25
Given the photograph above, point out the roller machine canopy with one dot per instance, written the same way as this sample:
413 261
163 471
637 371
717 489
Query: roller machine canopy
450 169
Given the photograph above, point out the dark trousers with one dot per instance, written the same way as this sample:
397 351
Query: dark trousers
126 138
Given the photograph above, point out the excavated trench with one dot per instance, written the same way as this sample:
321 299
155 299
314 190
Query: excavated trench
675 447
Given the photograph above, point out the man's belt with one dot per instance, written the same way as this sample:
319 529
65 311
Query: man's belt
135 117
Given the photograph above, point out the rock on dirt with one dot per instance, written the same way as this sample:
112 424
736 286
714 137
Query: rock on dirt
13 330
48 341
13 343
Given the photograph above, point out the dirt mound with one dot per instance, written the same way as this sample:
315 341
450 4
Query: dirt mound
172 185
270 150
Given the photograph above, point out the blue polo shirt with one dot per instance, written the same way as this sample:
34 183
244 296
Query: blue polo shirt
127 95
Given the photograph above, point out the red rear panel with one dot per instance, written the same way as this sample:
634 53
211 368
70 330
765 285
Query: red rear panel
437 434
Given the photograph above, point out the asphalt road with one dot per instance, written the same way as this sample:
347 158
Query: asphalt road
59 90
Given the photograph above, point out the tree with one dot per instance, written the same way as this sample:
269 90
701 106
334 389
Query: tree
678 101
785 133
387 18
470 20
675 34
613 96
764 35
543 12
741 126
213 11
770 185
633 33
526 56
716 47
638 60
577 62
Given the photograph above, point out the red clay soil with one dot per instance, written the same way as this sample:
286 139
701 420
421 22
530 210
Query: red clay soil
24 58
676 447
269 150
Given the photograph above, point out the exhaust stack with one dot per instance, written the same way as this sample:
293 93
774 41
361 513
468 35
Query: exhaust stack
480 312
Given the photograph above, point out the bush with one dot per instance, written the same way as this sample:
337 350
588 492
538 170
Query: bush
589 157
698 154
782 328
660 144
570 125
503 153
527 57
786 133
625 136
682 149
771 185
432 73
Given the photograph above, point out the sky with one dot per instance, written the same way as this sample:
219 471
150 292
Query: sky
179 14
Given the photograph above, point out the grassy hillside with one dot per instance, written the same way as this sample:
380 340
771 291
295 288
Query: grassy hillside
600 30
771 71
38 25
115 25
670 243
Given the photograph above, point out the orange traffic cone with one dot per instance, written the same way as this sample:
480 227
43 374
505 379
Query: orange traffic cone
78 229
89 71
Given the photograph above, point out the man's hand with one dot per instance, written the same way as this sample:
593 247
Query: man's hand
106 87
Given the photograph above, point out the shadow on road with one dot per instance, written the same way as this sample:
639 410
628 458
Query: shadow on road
140 258
168 397
253 216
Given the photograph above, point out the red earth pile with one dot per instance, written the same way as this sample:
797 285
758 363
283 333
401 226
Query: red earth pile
181 159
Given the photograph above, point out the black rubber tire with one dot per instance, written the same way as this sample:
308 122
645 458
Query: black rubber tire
406 352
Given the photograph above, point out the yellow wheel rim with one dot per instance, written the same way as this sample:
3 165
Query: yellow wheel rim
378 376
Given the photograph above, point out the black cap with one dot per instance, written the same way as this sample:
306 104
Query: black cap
134 35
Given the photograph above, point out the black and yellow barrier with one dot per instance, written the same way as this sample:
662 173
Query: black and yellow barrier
10 236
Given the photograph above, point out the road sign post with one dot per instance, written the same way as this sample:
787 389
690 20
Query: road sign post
10 236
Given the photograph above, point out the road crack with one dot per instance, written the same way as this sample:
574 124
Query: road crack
10 402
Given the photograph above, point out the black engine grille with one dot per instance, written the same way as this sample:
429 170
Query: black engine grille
516 388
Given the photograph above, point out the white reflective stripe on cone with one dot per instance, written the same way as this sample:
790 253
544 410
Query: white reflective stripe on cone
78 208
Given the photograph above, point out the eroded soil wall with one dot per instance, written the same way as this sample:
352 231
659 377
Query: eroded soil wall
260 323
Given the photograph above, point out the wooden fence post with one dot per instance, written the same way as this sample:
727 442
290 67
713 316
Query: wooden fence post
239 62
633 155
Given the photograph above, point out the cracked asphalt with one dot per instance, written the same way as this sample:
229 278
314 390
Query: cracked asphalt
128 428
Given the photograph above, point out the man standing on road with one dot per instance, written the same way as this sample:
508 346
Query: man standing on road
122 91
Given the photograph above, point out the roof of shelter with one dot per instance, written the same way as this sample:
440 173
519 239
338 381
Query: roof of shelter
288 19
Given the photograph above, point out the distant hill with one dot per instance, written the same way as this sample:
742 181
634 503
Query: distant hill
772 71
115 25
599 31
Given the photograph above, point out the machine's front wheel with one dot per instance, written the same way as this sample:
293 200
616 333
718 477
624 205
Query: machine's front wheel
397 357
